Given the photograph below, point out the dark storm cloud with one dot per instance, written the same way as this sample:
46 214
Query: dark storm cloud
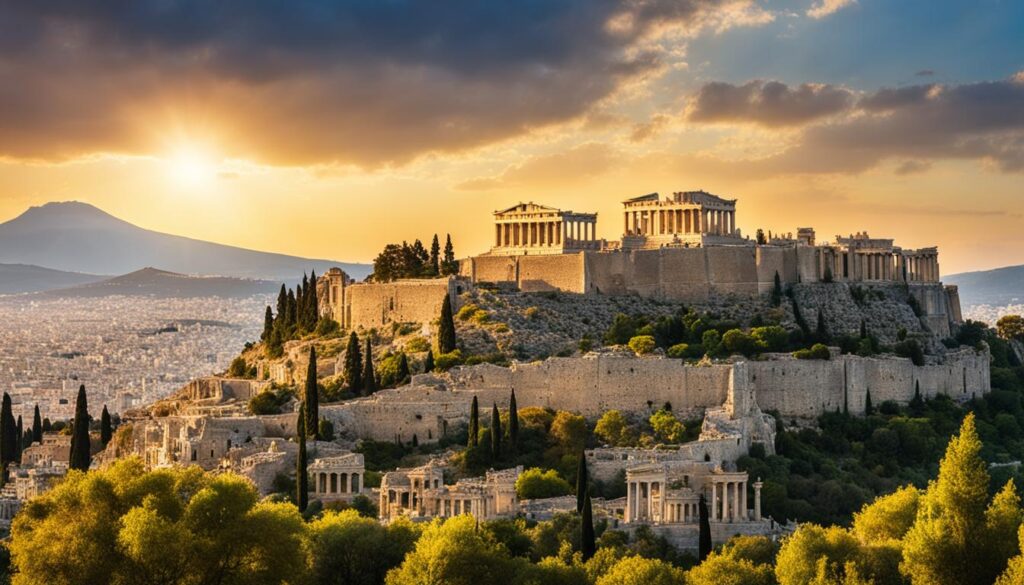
365 81
979 121
768 103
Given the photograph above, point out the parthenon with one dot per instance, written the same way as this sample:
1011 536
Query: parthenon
529 229
685 218
670 492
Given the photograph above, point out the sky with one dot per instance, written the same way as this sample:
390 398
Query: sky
329 129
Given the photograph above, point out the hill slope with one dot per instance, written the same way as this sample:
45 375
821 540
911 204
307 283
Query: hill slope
23 278
1002 286
78 237
160 283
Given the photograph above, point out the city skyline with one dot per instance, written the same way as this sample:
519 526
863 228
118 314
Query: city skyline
841 115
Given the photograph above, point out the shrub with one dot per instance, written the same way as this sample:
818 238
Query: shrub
586 344
238 368
642 344
770 338
679 350
467 311
418 344
326 327
910 349
446 361
817 351
736 341
667 427
535 484
531 312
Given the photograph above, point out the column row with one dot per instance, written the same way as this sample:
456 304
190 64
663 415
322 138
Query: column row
728 501
337 483
922 268
653 222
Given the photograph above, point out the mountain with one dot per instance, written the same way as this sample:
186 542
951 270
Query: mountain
1002 286
77 237
160 283
22 278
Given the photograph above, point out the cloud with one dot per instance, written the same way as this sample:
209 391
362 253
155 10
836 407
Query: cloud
823 8
319 82
912 167
576 164
649 129
768 103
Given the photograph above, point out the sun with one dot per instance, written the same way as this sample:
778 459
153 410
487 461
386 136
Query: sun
192 167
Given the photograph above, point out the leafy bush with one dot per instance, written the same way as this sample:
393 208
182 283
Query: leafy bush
535 484
531 312
238 368
642 344
736 341
817 351
418 344
910 349
447 361
679 350
467 311
327 327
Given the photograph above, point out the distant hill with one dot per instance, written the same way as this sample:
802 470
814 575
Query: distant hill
160 283
77 237
23 278
1002 286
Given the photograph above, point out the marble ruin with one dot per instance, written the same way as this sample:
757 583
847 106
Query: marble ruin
422 493
528 228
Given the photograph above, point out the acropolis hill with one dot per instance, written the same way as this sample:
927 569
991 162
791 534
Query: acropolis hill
532 315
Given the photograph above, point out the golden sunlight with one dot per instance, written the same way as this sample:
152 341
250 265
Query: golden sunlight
192 167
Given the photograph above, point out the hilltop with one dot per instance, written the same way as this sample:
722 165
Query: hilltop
25 278
78 237
1001 286
161 283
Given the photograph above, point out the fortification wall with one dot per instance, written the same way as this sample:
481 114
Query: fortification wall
372 305
935 304
592 385
565 272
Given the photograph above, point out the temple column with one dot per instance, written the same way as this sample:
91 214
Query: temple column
757 499
625 223
714 501
743 502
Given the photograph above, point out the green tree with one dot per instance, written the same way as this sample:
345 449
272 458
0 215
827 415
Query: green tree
721 568
311 398
887 518
667 427
8 435
268 324
582 482
1014 574
403 368
18 440
81 456
353 364
642 344
449 265
813 551
776 294
570 431
704 535
821 331
455 552
1011 327
106 430
345 548
636 570
312 304
37 426
869 408
535 483
474 423
513 422
495 433
446 328
301 471
588 546
613 429
953 525
369 376
428 362
435 257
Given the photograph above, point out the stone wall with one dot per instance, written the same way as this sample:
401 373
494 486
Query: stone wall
371 305
596 383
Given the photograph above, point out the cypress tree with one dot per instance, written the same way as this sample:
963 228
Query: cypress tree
300 302
106 430
353 364
863 329
369 376
474 423
588 546
428 362
301 475
513 421
821 333
268 324
777 291
37 427
403 368
8 429
282 305
310 397
313 303
868 408
435 256
704 540
446 328
19 441
80 454
495 432
449 266
582 481
290 312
